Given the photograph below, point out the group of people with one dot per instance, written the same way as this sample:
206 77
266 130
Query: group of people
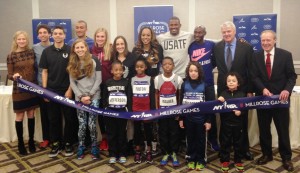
171 69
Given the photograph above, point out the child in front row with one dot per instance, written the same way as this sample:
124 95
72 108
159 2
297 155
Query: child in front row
143 99
231 125
167 94
116 98
193 90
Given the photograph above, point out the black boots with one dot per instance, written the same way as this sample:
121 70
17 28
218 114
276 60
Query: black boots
31 144
19 130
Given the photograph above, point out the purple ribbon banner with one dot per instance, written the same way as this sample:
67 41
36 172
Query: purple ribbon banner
245 103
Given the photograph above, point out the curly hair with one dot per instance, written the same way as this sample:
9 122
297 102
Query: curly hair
14 45
238 77
75 68
200 71
153 52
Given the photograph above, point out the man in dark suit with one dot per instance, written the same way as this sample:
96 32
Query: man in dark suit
232 55
273 73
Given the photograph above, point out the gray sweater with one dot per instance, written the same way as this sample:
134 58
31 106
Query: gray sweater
85 85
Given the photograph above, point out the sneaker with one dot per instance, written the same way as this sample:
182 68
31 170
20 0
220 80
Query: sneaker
44 144
138 157
164 160
80 152
103 145
122 159
199 166
191 165
175 161
149 158
68 150
95 152
214 145
154 152
225 166
239 167
112 160
56 148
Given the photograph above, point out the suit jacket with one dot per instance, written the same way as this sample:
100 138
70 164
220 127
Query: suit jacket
241 65
283 76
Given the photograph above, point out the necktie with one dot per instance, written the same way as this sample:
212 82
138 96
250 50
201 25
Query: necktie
268 65
228 58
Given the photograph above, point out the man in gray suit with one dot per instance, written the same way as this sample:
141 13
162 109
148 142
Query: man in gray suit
232 55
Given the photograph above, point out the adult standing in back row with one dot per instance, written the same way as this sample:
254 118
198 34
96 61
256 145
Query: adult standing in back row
54 61
80 30
175 44
231 55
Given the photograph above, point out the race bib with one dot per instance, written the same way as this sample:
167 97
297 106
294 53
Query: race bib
167 100
117 100
140 89
192 97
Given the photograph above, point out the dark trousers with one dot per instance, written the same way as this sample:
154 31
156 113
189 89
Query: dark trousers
101 120
230 135
44 119
196 141
245 136
55 113
281 118
209 96
116 136
138 133
168 129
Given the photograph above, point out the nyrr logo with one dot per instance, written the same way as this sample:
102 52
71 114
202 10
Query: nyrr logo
267 19
225 106
157 26
142 115
254 33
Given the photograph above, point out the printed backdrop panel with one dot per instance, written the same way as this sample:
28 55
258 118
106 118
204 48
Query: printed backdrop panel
66 23
156 17
249 27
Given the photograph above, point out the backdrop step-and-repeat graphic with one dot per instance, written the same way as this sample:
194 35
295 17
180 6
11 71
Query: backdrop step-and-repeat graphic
249 27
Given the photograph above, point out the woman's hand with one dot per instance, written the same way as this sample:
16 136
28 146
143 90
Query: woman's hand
16 76
86 100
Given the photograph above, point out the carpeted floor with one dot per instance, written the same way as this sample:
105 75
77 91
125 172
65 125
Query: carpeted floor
11 161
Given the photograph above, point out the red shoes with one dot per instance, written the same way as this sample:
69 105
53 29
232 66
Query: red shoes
103 145
44 144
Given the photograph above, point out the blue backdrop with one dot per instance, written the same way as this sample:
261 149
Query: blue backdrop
66 23
249 27
157 17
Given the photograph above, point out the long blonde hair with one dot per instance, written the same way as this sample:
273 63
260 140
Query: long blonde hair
107 44
14 45
74 65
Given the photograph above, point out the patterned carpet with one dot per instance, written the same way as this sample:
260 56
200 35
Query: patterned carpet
11 161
